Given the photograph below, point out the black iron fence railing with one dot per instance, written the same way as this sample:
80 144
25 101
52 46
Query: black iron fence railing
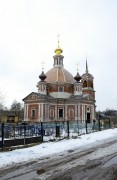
64 129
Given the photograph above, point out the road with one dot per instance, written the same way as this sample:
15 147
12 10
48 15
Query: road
97 161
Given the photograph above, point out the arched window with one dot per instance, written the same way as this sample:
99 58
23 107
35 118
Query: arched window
71 114
51 113
85 84
92 84
33 113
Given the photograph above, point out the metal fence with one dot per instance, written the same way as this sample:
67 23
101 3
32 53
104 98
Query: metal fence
57 129
49 130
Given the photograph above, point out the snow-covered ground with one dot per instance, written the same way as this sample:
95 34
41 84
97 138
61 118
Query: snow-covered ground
50 148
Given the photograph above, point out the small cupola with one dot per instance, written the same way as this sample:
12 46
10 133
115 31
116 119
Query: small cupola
42 85
42 76
77 84
58 57
77 77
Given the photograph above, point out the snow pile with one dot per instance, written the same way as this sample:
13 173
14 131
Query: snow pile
49 148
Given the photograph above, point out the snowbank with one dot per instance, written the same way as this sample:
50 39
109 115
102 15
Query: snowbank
50 148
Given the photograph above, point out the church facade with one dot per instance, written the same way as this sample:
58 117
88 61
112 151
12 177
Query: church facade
60 96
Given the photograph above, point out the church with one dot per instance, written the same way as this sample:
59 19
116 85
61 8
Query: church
60 96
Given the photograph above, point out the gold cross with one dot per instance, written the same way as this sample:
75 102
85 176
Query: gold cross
58 36
42 65
77 66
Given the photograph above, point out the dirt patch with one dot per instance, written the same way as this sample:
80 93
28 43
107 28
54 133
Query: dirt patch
40 171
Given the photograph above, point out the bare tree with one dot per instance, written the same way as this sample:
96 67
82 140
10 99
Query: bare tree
18 108
110 112
2 105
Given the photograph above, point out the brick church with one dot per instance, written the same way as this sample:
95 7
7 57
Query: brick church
60 96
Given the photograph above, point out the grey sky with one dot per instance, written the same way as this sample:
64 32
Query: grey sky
28 36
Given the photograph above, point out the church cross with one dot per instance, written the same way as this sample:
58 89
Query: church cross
58 37
42 64
77 66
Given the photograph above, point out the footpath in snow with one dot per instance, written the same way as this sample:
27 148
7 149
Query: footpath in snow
51 148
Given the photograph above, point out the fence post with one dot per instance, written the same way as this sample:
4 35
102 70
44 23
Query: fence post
57 130
86 126
42 131
24 133
99 125
14 131
2 136
93 124
109 123
78 127
99 122
68 128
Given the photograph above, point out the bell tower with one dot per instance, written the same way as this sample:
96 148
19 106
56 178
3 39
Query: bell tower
87 81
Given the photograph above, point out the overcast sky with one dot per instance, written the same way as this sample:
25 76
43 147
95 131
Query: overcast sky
28 36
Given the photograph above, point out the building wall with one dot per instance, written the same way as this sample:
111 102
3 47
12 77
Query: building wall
55 87
32 107
10 119
50 111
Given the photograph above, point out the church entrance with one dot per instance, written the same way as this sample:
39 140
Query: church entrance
60 113
88 117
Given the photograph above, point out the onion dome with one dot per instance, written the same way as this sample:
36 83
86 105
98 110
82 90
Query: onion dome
42 76
77 77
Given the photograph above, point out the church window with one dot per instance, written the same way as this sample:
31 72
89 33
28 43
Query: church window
58 61
33 96
92 84
52 113
71 114
33 113
61 89
85 84
60 113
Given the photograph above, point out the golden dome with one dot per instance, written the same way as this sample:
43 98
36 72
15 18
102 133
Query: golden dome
58 50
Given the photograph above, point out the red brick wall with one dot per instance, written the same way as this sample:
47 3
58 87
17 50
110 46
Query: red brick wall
30 108
71 112
54 88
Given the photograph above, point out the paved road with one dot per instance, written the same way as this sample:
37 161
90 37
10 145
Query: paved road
97 161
